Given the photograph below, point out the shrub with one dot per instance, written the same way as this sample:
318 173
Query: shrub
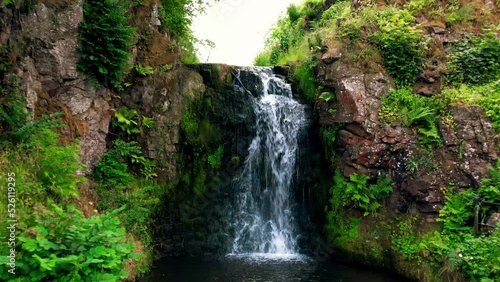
176 16
262 59
307 80
412 110
17 126
215 159
293 13
117 187
485 95
113 169
401 45
105 39
127 120
358 193
475 59
57 165
59 244
479 258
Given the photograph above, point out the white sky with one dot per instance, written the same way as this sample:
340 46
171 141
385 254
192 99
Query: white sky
238 28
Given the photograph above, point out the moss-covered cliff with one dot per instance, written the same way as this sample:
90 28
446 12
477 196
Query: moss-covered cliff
405 97
406 90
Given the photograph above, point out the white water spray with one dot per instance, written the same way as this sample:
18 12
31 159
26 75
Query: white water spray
264 222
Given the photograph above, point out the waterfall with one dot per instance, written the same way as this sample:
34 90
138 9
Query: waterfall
264 216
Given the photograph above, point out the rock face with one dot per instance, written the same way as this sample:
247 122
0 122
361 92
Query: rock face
365 145
48 73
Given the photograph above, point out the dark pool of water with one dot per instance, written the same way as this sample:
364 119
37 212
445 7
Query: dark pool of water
243 269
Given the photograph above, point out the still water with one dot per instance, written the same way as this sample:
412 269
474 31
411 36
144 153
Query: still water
245 269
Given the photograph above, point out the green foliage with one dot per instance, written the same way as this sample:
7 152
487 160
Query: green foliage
127 120
177 16
412 110
459 13
148 122
8 2
57 165
458 210
339 10
404 240
140 199
293 13
358 193
487 96
336 226
215 159
113 169
307 80
262 59
455 245
416 163
16 125
105 39
144 70
118 186
401 45
476 59
60 244
479 257
327 96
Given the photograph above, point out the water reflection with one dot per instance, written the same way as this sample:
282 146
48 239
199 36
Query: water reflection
241 268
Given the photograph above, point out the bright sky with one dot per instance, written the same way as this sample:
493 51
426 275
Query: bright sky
238 28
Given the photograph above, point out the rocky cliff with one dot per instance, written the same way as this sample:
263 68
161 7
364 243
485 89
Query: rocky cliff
197 113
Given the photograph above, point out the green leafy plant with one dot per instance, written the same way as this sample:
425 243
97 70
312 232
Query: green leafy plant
60 244
118 185
307 79
458 210
127 120
486 95
58 165
404 240
105 39
412 109
148 122
17 126
215 159
113 168
401 44
475 59
358 193
144 70
478 257
327 96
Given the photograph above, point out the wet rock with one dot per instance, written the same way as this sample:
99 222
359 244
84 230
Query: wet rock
493 221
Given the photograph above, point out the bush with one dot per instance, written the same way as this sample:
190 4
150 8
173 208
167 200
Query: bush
62 245
118 187
401 45
479 258
176 16
215 159
412 110
17 126
113 169
475 59
57 165
105 39
486 95
358 193
307 80
293 13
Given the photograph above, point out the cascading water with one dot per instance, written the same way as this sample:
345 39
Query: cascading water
264 220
